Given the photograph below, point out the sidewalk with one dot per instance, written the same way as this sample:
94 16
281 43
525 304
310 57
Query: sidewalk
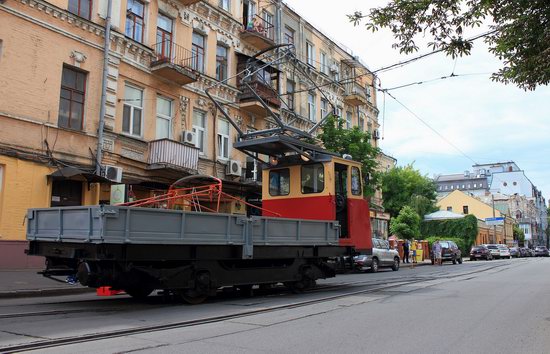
27 283
427 262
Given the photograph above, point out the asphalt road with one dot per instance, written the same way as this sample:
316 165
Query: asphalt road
477 307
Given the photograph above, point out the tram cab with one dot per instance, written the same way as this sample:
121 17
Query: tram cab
328 188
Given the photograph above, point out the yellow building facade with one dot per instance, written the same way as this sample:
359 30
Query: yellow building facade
159 124
462 203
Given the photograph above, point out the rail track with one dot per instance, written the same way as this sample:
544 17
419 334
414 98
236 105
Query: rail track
349 287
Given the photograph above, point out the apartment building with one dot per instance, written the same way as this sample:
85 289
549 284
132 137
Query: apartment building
159 124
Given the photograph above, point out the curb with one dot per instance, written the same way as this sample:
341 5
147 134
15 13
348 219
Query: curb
43 292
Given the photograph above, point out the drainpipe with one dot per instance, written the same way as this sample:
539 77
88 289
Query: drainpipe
106 49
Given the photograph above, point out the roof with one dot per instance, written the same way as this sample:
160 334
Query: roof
443 215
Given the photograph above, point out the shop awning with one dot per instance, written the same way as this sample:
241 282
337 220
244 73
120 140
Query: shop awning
76 174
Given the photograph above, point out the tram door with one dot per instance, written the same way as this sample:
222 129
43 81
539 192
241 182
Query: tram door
341 200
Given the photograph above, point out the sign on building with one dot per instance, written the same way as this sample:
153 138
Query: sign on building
494 221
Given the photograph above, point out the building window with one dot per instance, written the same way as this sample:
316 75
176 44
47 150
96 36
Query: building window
450 208
339 112
164 37
164 118
199 128
313 178
481 185
324 107
310 54
82 8
311 107
225 4
446 187
290 94
135 14
362 124
268 24
475 185
368 92
288 36
452 187
223 139
198 52
463 186
324 63
133 109
221 63
71 104
349 123
465 210
469 186
279 182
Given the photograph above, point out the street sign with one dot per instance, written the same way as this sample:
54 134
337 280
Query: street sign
494 221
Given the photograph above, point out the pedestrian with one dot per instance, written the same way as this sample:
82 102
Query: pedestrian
437 253
414 246
406 251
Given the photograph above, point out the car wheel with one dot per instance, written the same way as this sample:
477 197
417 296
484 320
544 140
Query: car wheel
395 266
454 260
374 266
460 260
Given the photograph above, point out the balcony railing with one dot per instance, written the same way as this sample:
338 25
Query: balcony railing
174 62
188 2
166 153
265 92
259 32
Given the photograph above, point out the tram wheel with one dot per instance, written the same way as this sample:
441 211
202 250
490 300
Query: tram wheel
192 297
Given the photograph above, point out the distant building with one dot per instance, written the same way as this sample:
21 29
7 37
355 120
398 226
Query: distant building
379 219
510 188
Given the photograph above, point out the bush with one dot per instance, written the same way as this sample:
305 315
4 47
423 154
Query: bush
462 244
464 229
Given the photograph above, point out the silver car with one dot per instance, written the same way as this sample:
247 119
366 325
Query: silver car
380 256
504 251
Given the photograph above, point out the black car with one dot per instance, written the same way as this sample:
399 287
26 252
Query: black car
480 252
449 252
541 251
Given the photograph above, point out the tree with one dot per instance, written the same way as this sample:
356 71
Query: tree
407 224
518 32
354 142
519 235
405 186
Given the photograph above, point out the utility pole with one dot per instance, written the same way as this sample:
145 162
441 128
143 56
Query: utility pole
106 50
494 226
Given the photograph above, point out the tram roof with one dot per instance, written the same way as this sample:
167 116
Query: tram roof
278 145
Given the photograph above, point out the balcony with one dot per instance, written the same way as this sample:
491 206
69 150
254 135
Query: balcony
166 153
356 95
174 63
249 102
188 2
260 33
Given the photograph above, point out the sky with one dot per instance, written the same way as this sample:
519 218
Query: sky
487 121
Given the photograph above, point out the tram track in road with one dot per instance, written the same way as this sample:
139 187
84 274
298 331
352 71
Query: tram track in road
350 286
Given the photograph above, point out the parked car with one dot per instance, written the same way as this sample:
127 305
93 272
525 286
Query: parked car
515 252
480 252
541 251
495 252
381 256
524 251
449 252
531 252
504 251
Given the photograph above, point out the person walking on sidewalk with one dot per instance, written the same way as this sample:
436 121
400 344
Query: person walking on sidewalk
406 251
437 253
414 247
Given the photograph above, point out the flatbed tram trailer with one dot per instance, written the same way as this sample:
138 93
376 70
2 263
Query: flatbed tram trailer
321 214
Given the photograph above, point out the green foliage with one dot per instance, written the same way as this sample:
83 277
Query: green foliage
519 235
407 224
461 243
355 143
464 229
518 34
405 186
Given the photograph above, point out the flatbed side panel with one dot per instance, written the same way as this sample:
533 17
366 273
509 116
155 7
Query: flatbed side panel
281 231
67 224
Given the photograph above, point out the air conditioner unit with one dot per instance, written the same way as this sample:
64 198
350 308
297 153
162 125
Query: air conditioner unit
334 68
189 137
113 173
234 168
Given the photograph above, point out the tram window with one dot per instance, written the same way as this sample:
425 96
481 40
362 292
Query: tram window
355 181
279 182
313 178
